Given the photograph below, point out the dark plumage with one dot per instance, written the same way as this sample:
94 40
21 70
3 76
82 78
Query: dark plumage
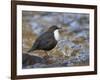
46 41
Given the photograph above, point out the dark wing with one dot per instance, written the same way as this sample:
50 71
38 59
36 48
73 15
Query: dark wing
35 45
37 42
46 41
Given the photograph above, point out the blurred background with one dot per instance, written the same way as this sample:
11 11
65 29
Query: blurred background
72 48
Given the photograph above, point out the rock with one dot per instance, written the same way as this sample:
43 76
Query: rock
31 60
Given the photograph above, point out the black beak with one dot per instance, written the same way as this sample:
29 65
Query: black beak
59 28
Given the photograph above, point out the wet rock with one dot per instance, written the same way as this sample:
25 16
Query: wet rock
31 60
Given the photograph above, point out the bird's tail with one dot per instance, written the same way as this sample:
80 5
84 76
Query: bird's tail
30 50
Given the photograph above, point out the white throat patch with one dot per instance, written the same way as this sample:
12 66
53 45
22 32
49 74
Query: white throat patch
56 35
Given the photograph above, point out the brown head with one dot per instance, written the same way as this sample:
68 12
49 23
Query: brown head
53 28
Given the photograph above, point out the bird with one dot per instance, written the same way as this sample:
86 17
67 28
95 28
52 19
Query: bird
46 41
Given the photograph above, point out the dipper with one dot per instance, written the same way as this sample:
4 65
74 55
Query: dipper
47 41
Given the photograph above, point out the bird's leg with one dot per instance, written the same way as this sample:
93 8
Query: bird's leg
47 53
